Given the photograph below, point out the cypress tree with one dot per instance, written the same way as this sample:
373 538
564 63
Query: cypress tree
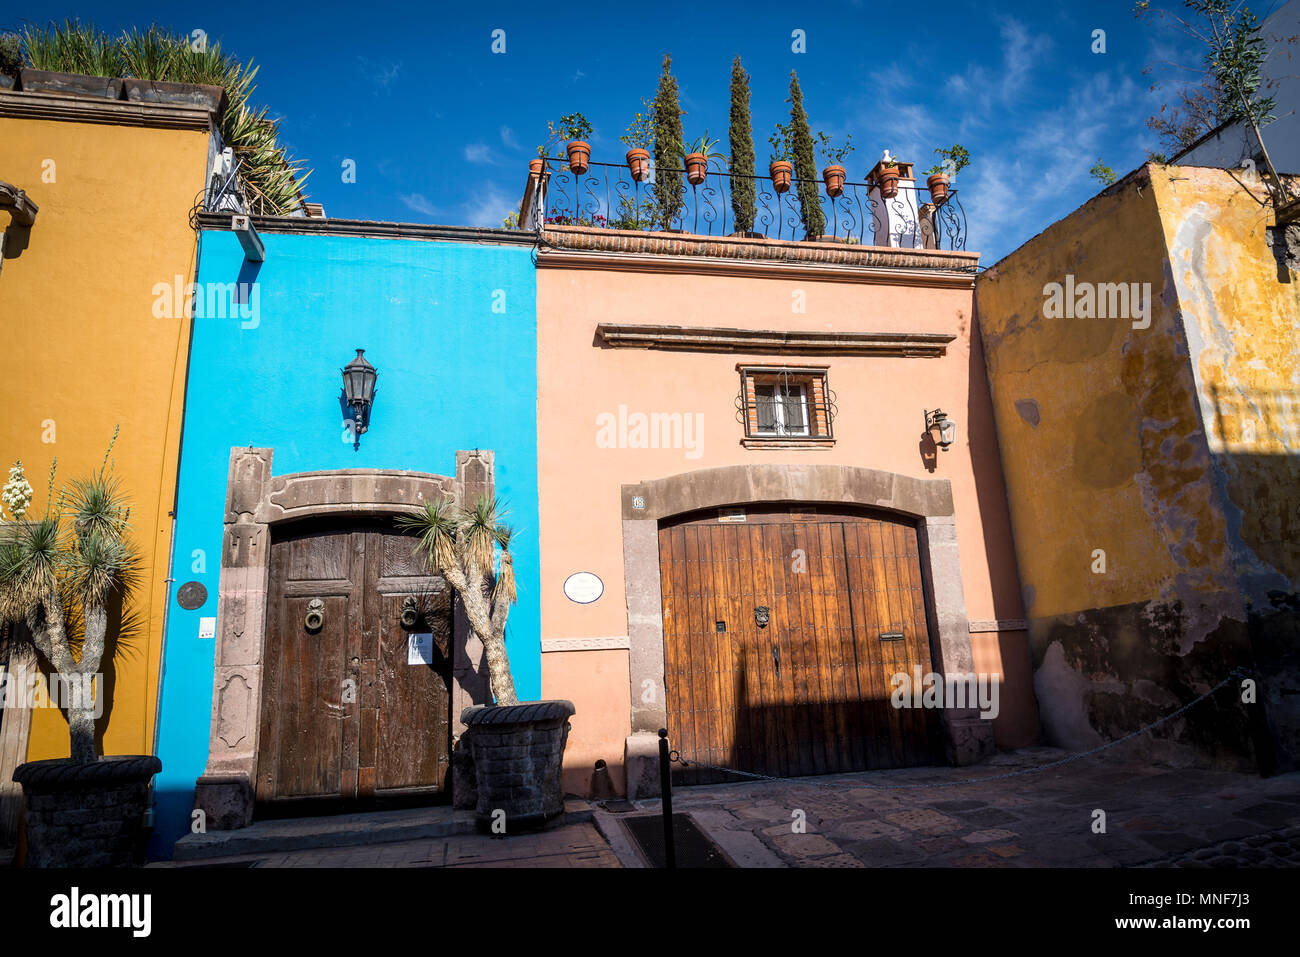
668 189
805 163
742 150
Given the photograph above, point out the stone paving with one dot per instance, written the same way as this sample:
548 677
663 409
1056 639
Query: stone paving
1153 816
573 845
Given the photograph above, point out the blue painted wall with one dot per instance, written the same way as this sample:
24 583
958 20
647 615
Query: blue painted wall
453 374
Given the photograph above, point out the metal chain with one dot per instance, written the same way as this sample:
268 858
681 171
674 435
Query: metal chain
1236 673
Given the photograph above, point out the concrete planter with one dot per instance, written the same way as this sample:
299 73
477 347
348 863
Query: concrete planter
518 753
72 84
7 83
187 94
85 815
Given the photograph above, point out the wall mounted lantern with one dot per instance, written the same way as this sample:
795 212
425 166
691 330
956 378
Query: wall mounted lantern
946 427
359 390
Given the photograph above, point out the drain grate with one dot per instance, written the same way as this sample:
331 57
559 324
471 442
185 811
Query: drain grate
693 847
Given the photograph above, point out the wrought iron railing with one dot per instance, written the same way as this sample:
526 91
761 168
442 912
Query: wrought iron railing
607 196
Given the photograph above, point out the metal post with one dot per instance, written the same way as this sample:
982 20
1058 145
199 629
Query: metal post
666 796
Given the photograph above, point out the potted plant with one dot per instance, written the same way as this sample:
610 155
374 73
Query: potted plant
63 578
886 173
157 63
72 59
575 129
11 60
697 155
517 749
953 161
781 167
833 172
639 138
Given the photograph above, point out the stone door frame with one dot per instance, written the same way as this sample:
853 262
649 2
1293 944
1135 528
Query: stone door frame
256 503
968 738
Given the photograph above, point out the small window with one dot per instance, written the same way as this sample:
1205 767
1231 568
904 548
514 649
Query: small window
792 407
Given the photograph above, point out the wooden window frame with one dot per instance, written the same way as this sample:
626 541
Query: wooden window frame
818 406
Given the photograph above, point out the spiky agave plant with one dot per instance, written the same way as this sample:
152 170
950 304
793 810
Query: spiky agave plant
59 576
462 546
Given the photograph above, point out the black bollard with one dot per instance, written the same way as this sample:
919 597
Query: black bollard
666 795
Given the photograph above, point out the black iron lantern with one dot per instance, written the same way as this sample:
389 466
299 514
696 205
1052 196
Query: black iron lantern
938 421
359 390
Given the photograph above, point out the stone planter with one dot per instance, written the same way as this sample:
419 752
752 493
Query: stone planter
85 815
518 752
7 83
188 94
71 84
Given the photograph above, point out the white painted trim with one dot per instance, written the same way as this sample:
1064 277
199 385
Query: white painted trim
1001 624
586 644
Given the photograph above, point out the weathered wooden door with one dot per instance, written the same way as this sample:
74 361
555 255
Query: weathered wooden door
352 716
781 636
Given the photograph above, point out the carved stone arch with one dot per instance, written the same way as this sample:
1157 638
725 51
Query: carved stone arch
928 501
257 502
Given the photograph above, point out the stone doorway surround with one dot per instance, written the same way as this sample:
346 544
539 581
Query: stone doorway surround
968 737
256 503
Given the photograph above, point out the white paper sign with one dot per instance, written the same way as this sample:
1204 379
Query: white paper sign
419 649
207 627
583 587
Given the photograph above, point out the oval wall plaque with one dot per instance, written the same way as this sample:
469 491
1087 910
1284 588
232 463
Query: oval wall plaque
191 595
583 587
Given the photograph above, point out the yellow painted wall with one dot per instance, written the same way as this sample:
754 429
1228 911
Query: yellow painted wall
1116 460
1242 315
84 352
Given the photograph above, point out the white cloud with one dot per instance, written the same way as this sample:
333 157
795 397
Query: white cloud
490 206
418 203
481 153
509 139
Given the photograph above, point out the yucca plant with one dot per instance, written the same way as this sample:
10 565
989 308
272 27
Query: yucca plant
270 178
151 54
60 575
465 547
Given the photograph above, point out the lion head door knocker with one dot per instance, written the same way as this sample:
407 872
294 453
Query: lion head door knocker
410 612
315 618
762 615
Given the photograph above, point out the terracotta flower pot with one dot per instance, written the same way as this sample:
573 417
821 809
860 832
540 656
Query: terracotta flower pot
887 179
579 156
535 166
780 171
638 164
938 184
697 166
833 177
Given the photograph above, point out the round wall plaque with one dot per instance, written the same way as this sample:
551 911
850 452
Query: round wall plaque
583 587
191 595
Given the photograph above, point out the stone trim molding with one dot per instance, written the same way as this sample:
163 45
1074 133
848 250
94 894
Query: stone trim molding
928 345
61 107
257 502
929 501
585 644
370 229
640 251
983 626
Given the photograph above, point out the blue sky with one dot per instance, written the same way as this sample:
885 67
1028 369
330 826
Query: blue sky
441 128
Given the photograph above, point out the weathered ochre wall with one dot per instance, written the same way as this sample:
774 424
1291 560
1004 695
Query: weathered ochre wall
1106 460
86 353
1239 293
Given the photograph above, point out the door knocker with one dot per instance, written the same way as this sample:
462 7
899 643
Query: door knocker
410 612
761 615
315 619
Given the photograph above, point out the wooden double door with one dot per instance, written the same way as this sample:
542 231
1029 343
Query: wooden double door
783 630
354 713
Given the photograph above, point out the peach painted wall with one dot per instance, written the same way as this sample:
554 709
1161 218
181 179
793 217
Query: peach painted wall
879 425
